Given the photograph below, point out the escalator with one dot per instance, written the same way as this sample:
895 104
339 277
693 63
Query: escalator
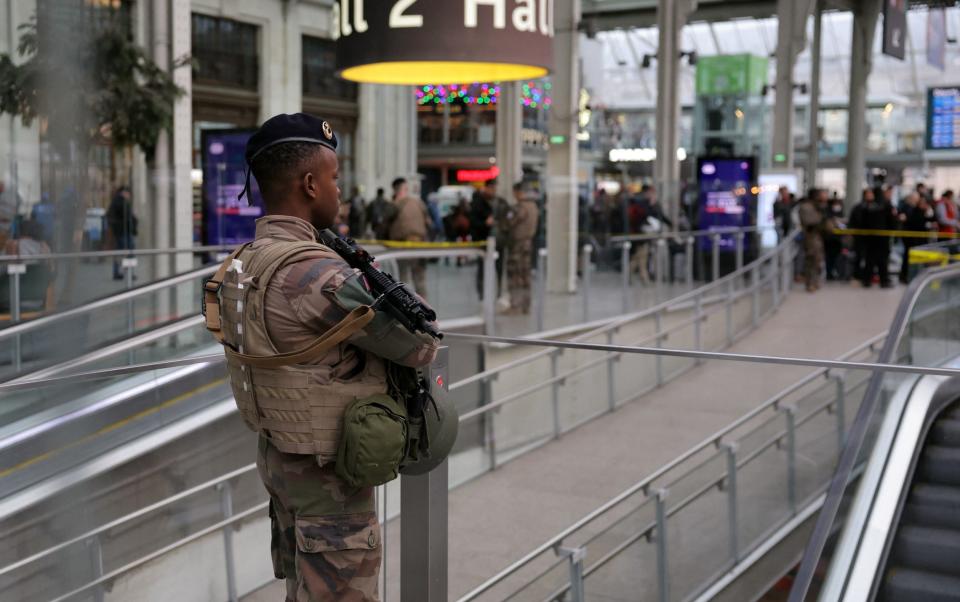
924 558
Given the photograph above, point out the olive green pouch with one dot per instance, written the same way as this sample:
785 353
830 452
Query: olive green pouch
373 441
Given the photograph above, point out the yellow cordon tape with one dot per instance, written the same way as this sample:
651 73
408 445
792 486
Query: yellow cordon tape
897 233
924 256
403 244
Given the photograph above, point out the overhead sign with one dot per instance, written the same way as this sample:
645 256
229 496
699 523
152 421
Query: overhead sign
477 175
639 155
937 38
443 41
731 74
943 118
895 28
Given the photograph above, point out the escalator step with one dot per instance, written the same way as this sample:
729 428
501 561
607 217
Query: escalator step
933 506
907 585
946 432
940 464
930 549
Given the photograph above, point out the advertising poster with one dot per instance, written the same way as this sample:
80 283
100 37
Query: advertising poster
727 197
895 28
937 38
226 220
769 184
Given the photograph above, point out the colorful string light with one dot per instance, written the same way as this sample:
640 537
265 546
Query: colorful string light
533 94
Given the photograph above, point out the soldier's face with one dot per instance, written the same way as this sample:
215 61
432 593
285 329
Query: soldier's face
323 189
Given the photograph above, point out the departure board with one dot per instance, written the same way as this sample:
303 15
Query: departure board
943 118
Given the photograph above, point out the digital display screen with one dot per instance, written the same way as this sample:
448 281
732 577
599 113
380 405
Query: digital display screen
727 197
943 118
226 220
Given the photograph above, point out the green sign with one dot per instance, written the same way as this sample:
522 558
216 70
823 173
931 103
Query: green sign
557 139
731 74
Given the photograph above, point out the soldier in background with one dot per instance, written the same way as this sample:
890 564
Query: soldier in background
411 223
811 214
523 220
325 536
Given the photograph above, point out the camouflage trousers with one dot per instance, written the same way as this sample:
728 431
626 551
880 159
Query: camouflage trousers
518 274
325 537
812 257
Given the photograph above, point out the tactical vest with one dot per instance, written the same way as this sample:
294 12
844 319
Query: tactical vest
296 405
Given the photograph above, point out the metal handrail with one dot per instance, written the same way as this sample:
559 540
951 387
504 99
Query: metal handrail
621 238
713 440
858 433
16 258
617 322
129 295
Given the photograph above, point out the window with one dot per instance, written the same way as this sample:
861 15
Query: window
225 53
320 71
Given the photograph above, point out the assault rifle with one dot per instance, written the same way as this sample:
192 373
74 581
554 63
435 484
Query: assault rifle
392 295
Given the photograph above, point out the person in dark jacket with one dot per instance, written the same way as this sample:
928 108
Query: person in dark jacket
482 220
918 216
122 223
878 214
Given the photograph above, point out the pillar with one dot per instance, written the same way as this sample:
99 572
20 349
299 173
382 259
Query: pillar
671 17
19 145
791 39
562 210
865 15
160 181
509 140
386 137
181 138
813 151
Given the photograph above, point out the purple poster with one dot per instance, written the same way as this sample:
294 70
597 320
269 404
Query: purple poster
226 220
727 197
937 37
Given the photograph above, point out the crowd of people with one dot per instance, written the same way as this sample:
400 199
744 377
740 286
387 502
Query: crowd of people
858 246
406 217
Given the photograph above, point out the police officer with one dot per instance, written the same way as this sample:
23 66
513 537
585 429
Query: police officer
285 292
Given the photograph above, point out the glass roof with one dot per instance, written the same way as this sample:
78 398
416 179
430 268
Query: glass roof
624 84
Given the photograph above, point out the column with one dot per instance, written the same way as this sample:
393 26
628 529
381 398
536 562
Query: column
562 156
671 17
386 136
791 39
159 186
182 138
19 145
508 136
813 151
865 14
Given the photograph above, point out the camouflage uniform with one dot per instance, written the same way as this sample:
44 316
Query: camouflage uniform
523 227
812 220
325 535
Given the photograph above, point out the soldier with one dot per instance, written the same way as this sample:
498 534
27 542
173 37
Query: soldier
523 220
811 213
325 534
411 223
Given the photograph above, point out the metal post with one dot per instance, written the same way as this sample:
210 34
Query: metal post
731 449
541 286
661 266
611 383
585 261
423 517
576 557
15 270
841 410
715 256
738 239
625 275
96 565
777 277
790 413
755 295
663 574
555 391
658 325
226 509
729 312
489 429
490 286
698 319
689 259
786 269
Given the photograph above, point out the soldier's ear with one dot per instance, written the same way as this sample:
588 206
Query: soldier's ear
309 184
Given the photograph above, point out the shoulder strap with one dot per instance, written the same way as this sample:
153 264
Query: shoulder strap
210 300
355 321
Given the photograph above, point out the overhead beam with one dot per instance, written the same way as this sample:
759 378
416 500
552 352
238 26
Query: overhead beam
619 14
